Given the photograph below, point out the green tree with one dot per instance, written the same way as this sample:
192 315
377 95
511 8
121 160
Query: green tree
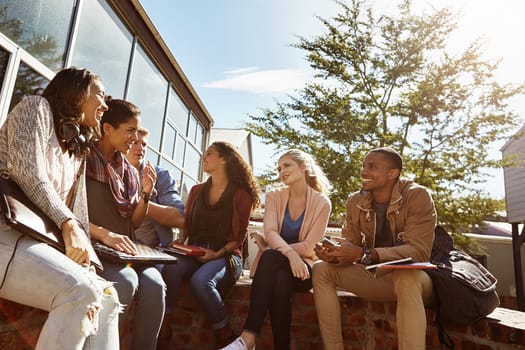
390 81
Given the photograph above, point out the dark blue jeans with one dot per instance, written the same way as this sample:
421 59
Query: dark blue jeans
272 289
206 280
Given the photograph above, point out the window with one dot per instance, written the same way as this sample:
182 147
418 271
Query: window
40 27
4 60
192 162
28 82
103 45
177 112
170 135
148 90
192 129
175 172
180 148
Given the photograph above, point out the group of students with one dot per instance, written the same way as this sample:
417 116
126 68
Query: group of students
46 143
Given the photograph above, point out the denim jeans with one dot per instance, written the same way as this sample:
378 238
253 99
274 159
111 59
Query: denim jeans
83 308
412 289
145 285
272 289
206 280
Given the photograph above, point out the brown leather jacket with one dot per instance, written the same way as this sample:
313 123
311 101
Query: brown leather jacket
411 215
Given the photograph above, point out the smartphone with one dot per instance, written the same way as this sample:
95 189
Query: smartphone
328 242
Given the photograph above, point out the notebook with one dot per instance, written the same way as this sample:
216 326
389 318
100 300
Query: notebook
183 249
24 216
145 255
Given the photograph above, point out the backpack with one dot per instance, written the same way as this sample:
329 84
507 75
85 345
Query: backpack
464 290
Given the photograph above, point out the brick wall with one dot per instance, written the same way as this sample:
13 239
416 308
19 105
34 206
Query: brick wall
366 326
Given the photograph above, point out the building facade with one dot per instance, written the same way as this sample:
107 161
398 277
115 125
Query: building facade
117 40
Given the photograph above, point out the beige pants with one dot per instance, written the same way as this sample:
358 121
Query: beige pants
412 289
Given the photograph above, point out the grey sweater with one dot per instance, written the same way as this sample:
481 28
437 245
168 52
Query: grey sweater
26 140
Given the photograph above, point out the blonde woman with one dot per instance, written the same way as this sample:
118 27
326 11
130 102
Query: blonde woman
295 219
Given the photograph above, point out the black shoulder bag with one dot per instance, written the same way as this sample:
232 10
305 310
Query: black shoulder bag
464 290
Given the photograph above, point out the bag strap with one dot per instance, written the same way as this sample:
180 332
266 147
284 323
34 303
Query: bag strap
444 338
73 191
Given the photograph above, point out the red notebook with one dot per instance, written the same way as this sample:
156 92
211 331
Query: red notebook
184 249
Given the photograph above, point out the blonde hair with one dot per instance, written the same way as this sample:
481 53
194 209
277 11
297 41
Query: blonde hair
314 174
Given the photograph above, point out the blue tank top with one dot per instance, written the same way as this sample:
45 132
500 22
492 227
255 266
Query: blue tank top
290 229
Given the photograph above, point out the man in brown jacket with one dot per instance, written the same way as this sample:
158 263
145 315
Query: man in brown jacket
389 219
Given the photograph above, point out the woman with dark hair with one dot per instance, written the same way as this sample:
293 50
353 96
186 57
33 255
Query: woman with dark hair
43 143
217 216
295 219
116 208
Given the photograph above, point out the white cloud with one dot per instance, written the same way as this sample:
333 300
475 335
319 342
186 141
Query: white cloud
256 81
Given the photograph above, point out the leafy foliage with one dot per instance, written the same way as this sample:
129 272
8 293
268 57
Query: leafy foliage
389 81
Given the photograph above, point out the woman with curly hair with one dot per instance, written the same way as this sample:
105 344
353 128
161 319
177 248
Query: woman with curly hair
217 215
295 219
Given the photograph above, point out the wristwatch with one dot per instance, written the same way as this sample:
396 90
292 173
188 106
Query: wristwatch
366 259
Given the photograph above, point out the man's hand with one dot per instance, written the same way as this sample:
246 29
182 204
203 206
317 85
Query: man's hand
149 178
344 254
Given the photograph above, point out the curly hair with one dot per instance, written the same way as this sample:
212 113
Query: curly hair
314 175
238 171
66 93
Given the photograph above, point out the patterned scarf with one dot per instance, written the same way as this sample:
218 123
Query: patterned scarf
120 175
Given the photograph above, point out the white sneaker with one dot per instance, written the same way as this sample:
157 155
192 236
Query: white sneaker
237 344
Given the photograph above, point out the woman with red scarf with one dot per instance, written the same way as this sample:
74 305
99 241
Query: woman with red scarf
116 207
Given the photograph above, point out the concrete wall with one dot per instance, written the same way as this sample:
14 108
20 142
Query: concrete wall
500 261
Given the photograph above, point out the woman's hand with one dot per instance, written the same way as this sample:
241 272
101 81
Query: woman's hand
297 265
149 178
259 240
209 254
120 242
76 242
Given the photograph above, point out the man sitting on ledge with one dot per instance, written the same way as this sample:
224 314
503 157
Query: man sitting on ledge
389 219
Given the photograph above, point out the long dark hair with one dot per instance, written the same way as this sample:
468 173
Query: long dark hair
237 170
66 93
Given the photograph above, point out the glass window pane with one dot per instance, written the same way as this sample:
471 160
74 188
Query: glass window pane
177 112
103 45
179 150
41 27
174 171
199 137
152 156
28 82
192 128
192 162
4 60
186 185
148 89
170 134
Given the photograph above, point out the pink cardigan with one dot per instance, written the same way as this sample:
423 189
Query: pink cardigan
317 212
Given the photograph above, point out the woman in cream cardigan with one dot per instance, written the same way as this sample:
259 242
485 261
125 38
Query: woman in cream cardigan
295 219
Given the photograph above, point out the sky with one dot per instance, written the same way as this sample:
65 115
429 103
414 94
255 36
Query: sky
237 54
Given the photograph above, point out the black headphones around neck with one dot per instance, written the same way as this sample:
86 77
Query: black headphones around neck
74 137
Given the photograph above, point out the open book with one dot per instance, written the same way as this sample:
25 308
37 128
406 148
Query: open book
184 249
405 263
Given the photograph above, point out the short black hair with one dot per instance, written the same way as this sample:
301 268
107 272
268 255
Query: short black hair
393 156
